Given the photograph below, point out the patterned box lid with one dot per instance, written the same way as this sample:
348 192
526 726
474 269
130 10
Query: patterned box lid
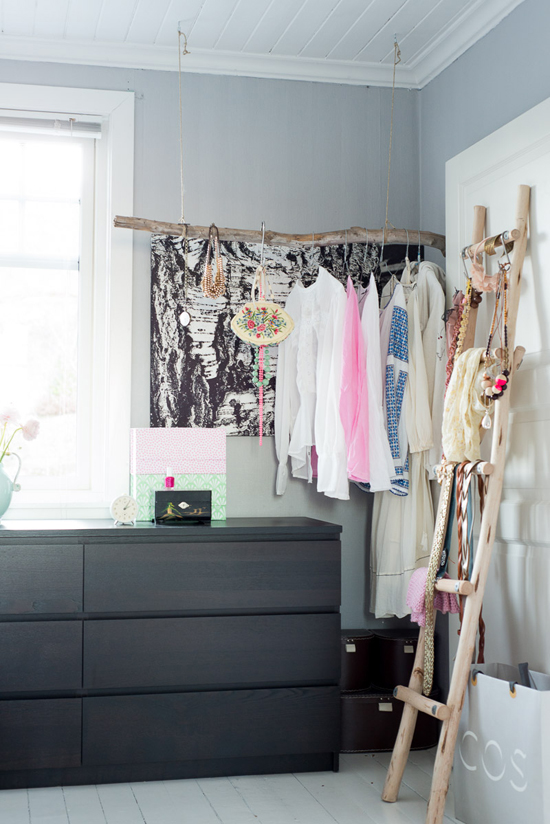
185 451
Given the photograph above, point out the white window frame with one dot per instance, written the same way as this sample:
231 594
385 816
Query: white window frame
112 287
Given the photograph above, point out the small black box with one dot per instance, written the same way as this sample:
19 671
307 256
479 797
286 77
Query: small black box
183 506
371 718
357 654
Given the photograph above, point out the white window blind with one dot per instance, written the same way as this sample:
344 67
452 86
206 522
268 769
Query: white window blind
50 123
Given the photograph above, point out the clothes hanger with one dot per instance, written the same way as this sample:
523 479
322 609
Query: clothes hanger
418 261
408 281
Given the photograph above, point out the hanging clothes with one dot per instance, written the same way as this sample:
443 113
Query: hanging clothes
402 532
309 375
398 524
417 400
403 527
381 467
431 308
395 368
354 411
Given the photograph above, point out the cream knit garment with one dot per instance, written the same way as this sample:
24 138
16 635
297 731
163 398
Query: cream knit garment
463 409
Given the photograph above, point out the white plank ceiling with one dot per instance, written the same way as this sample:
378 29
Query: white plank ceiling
340 41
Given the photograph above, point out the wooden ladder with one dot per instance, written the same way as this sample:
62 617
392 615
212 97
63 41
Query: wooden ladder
449 713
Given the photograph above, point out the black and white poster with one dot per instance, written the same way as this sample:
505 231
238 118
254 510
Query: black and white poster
201 374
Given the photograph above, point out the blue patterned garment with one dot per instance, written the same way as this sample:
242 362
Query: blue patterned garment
397 369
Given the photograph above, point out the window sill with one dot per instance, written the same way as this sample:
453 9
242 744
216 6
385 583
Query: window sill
56 505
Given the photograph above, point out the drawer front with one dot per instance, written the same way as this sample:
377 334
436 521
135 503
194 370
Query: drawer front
40 579
40 734
202 725
271 649
40 655
250 575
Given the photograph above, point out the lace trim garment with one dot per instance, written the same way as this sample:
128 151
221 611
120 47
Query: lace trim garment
463 409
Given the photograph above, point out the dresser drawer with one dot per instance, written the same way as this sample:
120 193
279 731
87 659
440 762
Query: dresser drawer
41 733
40 655
202 725
271 649
40 579
203 576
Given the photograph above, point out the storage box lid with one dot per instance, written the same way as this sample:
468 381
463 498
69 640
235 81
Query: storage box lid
408 635
348 635
187 451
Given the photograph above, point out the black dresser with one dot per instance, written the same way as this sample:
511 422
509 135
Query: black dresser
149 653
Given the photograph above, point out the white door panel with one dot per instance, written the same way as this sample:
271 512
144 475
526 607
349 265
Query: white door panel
517 606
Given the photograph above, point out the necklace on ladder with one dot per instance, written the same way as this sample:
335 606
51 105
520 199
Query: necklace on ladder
493 386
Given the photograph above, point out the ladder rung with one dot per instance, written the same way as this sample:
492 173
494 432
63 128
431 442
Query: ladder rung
420 702
448 585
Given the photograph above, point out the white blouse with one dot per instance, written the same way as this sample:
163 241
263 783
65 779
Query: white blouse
380 457
307 401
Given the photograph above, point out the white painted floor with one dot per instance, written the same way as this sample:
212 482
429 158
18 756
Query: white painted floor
351 796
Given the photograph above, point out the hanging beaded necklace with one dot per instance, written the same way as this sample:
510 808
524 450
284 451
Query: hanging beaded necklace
213 287
185 317
493 387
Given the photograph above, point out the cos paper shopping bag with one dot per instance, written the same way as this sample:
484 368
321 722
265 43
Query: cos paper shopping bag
502 757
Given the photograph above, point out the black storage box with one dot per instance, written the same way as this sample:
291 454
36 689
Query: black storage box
174 507
393 657
357 650
370 723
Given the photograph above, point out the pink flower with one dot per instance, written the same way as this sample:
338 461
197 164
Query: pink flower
261 327
258 336
30 430
10 415
251 324
276 331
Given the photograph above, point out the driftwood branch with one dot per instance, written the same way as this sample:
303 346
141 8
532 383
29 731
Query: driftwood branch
354 235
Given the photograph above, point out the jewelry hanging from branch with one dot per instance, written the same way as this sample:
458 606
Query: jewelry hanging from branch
493 386
185 317
213 286
262 323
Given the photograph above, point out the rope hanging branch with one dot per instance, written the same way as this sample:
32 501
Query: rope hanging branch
339 237
354 235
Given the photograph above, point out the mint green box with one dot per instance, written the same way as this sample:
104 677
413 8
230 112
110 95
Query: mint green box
142 488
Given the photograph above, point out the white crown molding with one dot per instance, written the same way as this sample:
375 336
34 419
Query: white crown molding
202 61
474 23
476 20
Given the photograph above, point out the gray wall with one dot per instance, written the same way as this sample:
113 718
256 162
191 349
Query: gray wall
503 75
303 157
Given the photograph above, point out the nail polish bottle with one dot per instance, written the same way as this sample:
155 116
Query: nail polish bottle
169 479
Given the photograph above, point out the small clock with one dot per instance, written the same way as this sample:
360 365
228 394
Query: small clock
124 510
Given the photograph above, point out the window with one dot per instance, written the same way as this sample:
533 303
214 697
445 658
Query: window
46 286
65 333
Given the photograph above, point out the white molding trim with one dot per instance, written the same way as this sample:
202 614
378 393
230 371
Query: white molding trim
477 19
203 61
475 22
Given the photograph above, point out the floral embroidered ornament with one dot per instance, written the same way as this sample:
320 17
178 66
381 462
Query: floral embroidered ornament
262 323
